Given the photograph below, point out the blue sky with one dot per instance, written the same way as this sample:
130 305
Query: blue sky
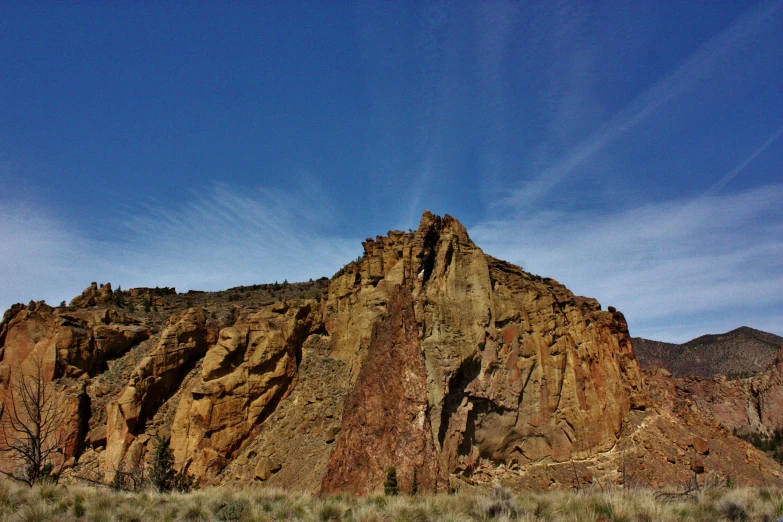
631 150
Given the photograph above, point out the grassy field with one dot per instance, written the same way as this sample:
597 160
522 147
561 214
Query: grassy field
63 503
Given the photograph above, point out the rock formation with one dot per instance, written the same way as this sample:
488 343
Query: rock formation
153 381
385 420
424 354
243 378
747 405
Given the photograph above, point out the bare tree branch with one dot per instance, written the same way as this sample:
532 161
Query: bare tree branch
33 424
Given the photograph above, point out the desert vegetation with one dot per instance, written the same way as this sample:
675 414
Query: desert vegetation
772 443
50 502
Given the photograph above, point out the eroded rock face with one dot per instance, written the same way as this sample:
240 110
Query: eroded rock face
674 439
424 354
153 380
72 343
386 418
243 378
749 405
519 370
43 345
94 295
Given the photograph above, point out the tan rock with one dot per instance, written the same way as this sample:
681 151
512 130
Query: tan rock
266 467
94 295
97 436
243 378
152 381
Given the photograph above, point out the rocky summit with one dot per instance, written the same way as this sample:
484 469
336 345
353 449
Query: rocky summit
425 354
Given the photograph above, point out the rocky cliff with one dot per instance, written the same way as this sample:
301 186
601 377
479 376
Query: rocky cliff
424 354
743 405
735 379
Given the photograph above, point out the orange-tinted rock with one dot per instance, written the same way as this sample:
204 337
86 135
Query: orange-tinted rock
94 295
701 446
386 421
71 343
243 378
153 380
424 354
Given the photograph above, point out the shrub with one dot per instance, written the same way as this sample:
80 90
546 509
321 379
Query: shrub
194 513
78 506
163 476
330 511
733 511
390 484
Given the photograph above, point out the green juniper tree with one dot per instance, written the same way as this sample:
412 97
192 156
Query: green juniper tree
163 476
390 484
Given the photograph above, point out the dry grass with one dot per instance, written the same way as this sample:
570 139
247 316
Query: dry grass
55 503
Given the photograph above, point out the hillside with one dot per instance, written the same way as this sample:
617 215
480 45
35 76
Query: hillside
739 353
424 354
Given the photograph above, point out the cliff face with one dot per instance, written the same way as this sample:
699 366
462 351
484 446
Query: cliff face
735 379
424 354
386 418
750 405
518 369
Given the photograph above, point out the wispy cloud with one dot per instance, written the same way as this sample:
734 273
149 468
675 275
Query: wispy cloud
685 76
725 180
39 257
677 269
225 238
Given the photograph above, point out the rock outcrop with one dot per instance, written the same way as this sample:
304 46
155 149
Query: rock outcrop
386 419
519 370
94 295
243 378
748 405
424 354
153 380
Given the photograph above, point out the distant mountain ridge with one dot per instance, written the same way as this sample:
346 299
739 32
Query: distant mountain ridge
743 351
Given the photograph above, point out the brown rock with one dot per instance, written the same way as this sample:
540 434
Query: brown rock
266 467
386 420
697 465
701 446
330 435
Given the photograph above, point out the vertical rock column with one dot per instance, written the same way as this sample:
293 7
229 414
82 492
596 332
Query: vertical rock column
385 419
